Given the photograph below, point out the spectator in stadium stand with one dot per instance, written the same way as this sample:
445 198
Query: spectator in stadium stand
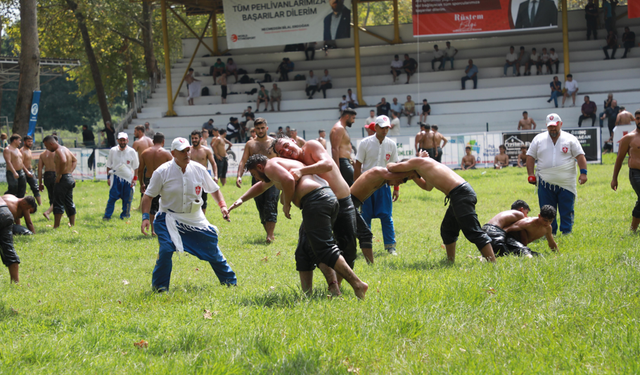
571 87
208 125
554 59
148 131
607 104
511 60
526 122
310 49
352 99
217 69
233 130
263 97
371 118
608 15
285 67
438 56
523 58
628 41
325 83
395 124
410 66
87 137
409 109
396 107
276 96
589 110
222 81
544 61
611 114
591 15
396 67
426 111
612 42
232 69
248 113
471 73
312 85
449 54
280 131
344 104
383 108
533 60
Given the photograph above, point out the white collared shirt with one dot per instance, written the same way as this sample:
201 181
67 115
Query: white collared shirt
548 155
534 56
123 162
396 64
179 190
438 54
449 51
373 154
554 56
571 86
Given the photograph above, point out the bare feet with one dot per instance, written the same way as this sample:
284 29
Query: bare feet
361 289
269 240
46 215
334 289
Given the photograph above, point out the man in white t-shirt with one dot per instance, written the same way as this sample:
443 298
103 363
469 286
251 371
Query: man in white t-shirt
377 151
371 118
512 60
344 103
571 89
554 59
556 153
544 60
438 55
449 53
395 124
533 60
352 99
396 67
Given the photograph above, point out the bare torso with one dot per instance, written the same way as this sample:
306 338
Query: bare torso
305 184
333 177
436 174
69 165
428 141
439 138
502 159
468 160
142 144
201 155
26 157
373 179
47 158
219 148
506 218
525 124
153 157
530 231
624 118
14 157
323 142
345 142
634 149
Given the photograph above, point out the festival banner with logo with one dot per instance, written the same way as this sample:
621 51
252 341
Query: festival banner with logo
33 116
261 23
446 17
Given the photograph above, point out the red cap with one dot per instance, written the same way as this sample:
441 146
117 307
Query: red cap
371 126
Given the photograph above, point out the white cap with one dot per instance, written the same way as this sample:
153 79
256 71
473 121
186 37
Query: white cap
383 121
179 144
553 119
123 135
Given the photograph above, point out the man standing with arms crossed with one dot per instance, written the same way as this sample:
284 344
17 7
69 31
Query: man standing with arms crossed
122 168
377 151
556 153
630 144
15 167
46 160
341 144
150 160
203 155
267 203
26 159
65 163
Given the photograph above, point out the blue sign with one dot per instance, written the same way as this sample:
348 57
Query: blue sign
33 117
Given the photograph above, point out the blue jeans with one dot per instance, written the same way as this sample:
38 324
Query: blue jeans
120 189
444 62
560 199
554 97
506 66
379 205
474 79
201 243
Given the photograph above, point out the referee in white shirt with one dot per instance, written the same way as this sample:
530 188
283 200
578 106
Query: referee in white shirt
377 151
180 223
122 168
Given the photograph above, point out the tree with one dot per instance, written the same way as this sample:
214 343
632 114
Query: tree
29 65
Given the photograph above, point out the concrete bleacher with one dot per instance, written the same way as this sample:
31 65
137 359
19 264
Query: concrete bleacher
498 101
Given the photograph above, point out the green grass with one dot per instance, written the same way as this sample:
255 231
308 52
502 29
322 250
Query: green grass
85 297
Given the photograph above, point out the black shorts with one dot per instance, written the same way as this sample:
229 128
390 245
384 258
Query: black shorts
439 157
267 204
634 178
363 232
222 164
155 202
461 215
345 230
319 212
7 251
49 180
224 91
503 244
33 184
346 170
63 196
398 71
17 187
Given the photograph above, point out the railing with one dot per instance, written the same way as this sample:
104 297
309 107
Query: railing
139 99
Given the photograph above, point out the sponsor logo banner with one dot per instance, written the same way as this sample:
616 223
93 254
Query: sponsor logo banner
443 17
261 23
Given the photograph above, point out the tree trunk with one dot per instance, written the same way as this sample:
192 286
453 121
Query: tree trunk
93 62
147 39
128 69
29 65
1 79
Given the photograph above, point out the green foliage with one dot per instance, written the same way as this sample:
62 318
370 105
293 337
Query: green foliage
85 298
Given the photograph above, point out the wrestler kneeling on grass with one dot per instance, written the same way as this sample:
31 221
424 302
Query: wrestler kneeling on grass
461 214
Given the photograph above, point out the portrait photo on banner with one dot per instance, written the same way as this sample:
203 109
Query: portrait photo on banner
533 13
337 24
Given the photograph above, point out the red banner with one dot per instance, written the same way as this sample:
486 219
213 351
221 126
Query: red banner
442 17
633 6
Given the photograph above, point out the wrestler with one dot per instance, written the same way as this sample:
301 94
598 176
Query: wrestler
26 160
46 161
319 207
502 159
468 161
65 163
267 203
427 142
461 214
16 180
140 144
150 160
630 144
218 146
530 229
7 252
203 155
21 207
341 144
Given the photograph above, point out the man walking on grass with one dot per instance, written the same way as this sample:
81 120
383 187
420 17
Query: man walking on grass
630 144
150 160
65 163
122 168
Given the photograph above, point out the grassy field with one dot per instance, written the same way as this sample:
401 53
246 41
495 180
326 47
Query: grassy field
85 300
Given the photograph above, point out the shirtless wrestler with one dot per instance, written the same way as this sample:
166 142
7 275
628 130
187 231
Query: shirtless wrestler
150 160
140 144
502 159
468 161
21 207
529 229
341 144
46 161
203 155
526 122
630 144
26 160
65 163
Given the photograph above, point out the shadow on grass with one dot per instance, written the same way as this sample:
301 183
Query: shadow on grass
424 264
284 298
